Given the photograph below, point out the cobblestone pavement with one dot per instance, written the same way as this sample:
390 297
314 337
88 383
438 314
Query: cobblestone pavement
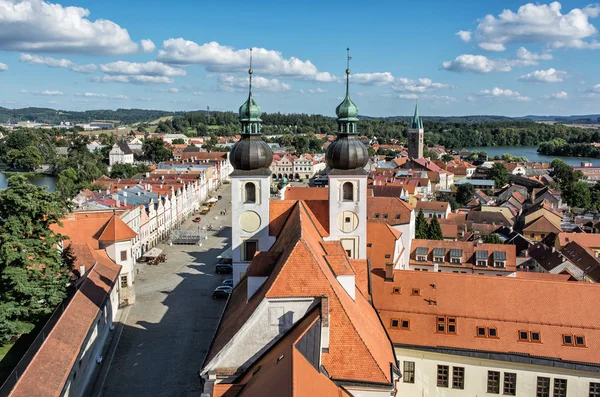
170 327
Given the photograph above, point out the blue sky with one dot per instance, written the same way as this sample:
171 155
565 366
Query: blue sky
458 57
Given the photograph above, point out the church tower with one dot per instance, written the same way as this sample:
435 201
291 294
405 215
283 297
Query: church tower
346 158
415 136
251 158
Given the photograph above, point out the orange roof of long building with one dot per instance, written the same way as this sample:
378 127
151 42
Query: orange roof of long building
509 304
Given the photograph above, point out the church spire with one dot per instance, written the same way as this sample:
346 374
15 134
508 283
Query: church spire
347 152
250 112
416 121
347 111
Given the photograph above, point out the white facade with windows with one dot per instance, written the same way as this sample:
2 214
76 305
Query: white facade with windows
250 220
347 212
426 373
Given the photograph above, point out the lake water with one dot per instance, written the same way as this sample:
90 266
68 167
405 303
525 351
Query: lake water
531 153
37 180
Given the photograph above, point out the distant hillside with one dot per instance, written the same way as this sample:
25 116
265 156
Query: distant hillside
446 119
52 116
575 119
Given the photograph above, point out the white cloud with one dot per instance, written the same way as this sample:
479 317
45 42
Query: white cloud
231 83
507 94
218 58
57 63
557 95
198 93
408 96
464 35
538 23
420 85
40 26
483 64
523 53
151 68
317 91
3 67
596 88
430 98
147 45
544 76
372 78
133 79
104 96
45 92
173 90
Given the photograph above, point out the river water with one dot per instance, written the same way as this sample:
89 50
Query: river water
37 180
532 155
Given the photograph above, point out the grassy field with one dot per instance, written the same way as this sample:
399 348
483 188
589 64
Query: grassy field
3 350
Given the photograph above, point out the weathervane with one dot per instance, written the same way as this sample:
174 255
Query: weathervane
348 70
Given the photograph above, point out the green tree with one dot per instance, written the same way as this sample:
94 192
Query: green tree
447 157
434 230
127 170
421 227
499 174
67 185
33 276
578 195
155 151
28 159
492 239
178 141
465 193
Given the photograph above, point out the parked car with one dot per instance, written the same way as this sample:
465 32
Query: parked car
197 219
224 268
222 292
228 282
204 210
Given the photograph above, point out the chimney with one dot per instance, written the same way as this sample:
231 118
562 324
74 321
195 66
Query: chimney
81 270
389 272
324 323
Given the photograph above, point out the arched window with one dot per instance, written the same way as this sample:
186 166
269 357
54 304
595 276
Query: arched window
348 191
250 193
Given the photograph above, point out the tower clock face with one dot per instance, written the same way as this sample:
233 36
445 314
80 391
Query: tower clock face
249 221
347 221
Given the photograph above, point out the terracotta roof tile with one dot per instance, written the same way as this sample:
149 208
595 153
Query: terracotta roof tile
306 193
509 304
541 225
47 373
433 205
398 211
587 240
116 230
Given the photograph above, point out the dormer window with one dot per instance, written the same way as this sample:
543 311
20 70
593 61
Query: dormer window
499 259
456 256
481 258
348 191
439 254
421 254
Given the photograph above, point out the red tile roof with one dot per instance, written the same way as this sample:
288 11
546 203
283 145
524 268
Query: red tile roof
116 230
306 193
49 370
510 304
433 205
398 211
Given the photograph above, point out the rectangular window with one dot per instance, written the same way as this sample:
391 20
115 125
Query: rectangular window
250 248
421 258
543 387
123 281
454 260
396 290
523 335
481 332
123 256
458 377
568 340
376 216
415 291
409 372
510 384
394 323
579 341
492 332
405 324
493 382
535 337
442 375
560 388
594 389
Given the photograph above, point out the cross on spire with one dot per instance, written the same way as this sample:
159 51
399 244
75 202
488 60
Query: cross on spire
348 71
